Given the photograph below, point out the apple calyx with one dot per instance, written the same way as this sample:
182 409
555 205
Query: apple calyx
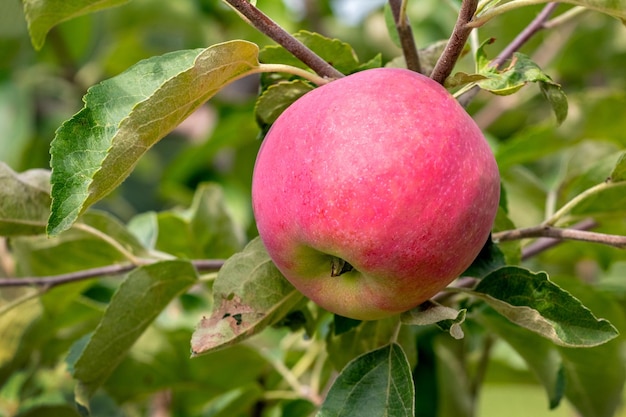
339 267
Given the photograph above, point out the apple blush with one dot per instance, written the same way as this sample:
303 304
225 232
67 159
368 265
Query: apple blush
374 192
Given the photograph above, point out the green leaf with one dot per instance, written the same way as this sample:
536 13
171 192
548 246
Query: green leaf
430 312
24 201
520 71
249 294
604 200
532 301
619 171
44 15
93 152
539 353
595 377
138 301
17 116
76 249
367 336
378 383
276 98
204 231
337 53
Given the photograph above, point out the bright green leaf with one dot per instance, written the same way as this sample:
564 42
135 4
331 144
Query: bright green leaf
138 301
604 200
24 201
124 116
205 230
619 171
249 294
44 15
520 71
337 53
532 301
378 383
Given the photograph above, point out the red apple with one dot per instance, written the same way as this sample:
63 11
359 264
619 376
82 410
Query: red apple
373 192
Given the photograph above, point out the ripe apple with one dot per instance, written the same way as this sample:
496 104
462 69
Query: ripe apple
373 192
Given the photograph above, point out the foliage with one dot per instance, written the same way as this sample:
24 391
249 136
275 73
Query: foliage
128 243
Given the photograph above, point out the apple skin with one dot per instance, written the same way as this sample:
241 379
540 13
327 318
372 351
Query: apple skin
384 170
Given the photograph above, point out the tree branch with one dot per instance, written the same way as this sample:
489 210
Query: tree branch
577 232
405 33
537 24
271 29
54 280
457 41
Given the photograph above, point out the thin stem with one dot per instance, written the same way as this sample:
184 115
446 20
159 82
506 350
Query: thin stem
565 17
53 280
537 24
562 234
314 78
576 200
524 36
271 29
489 14
108 239
457 41
405 33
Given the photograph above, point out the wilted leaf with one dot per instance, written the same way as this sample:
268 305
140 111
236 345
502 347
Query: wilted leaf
44 15
138 301
532 301
124 116
430 312
379 383
24 201
249 294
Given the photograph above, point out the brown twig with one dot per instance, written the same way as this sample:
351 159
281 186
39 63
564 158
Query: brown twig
405 33
271 29
578 232
454 48
536 25
54 280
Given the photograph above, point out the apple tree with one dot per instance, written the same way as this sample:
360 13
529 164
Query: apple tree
132 277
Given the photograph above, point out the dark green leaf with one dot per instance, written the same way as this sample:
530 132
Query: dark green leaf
540 354
276 98
124 116
532 301
379 383
139 300
557 99
24 201
488 260
44 15
249 294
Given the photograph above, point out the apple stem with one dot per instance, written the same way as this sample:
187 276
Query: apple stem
339 267
405 33
454 48
268 27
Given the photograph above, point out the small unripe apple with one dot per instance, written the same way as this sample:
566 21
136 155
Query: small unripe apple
373 192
